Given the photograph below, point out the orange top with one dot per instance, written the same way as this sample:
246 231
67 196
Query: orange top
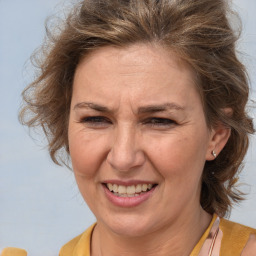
233 239
222 238
10 251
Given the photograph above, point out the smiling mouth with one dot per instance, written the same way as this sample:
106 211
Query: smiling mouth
129 191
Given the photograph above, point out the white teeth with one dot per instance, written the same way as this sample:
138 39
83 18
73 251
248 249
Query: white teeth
129 191
138 188
121 189
144 187
110 186
115 188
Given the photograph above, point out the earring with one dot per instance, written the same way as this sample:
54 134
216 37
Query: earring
214 154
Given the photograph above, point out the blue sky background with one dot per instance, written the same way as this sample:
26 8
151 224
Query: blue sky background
40 206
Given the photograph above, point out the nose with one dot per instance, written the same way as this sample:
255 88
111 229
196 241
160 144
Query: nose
125 153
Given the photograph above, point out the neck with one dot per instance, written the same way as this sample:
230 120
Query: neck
177 239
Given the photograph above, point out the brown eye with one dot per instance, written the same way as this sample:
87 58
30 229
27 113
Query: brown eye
96 121
159 122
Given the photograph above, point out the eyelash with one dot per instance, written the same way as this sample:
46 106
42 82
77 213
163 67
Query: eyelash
156 122
98 121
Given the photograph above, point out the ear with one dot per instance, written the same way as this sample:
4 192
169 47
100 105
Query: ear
218 139
219 136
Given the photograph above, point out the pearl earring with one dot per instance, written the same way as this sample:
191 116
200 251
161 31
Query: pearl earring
214 154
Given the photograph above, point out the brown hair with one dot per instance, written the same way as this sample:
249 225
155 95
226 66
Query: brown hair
198 31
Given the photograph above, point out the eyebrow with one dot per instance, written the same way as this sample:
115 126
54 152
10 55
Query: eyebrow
160 108
141 110
91 105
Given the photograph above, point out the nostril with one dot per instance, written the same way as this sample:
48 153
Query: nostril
125 160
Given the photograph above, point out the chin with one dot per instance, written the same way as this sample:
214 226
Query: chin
130 226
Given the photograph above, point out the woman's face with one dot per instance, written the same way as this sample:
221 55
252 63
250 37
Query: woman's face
138 138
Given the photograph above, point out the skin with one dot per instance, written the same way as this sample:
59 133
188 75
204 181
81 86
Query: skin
120 137
250 247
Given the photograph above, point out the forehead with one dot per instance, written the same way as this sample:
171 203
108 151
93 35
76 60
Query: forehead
137 56
148 72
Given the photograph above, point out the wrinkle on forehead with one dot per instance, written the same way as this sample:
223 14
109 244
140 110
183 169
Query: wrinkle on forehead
138 71
136 56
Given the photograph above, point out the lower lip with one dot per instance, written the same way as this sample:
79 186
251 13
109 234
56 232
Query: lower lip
128 201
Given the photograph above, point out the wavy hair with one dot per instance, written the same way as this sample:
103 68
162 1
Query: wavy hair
199 32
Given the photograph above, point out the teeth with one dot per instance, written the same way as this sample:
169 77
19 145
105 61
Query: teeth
110 186
138 188
129 191
144 187
115 188
121 189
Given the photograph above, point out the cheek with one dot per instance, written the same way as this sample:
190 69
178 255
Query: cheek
178 158
87 152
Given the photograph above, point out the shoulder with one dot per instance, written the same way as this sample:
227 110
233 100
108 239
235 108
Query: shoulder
235 237
69 247
235 230
79 243
10 251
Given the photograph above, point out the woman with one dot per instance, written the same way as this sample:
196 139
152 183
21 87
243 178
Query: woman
148 99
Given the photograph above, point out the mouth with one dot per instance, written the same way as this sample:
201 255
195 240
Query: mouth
129 191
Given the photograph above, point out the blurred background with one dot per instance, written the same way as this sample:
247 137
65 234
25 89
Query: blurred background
40 206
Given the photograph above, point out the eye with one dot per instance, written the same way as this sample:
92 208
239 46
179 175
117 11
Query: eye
95 121
159 122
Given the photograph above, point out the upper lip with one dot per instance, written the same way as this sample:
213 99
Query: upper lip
128 182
